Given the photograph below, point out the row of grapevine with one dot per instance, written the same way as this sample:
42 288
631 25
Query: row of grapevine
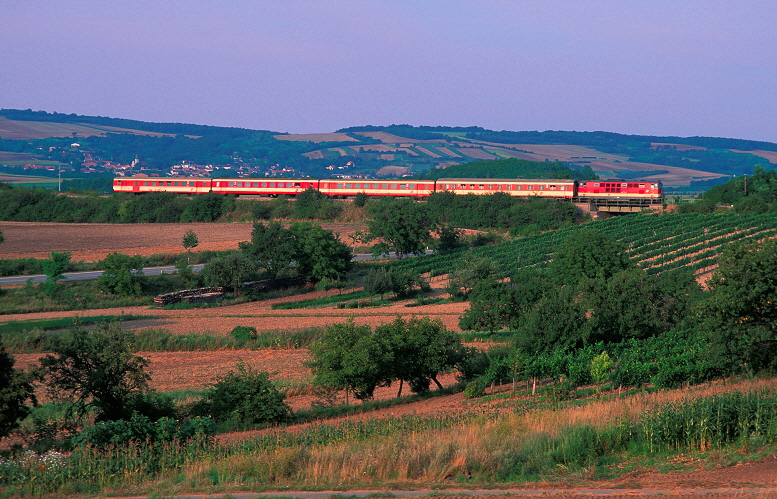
657 243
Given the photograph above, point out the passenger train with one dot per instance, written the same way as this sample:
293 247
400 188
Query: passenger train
632 191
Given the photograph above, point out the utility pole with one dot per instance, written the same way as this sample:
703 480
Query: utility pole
60 178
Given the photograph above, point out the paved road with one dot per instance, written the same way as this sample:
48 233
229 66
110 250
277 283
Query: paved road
88 276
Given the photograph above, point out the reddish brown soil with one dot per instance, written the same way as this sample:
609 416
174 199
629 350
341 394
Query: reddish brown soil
92 242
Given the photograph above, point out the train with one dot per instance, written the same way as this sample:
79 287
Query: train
608 191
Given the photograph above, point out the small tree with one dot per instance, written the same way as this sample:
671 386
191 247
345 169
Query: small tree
601 367
55 269
378 281
190 240
98 370
122 275
246 396
15 389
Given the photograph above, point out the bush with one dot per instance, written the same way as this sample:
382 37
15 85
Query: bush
122 275
243 333
244 396
475 389
141 429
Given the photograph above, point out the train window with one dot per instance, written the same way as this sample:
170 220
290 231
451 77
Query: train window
595 185
552 187
641 185
403 186
347 186
296 184
384 186
412 186
136 184
393 186
339 186
169 184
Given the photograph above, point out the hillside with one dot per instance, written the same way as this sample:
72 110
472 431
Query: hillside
656 243
93 146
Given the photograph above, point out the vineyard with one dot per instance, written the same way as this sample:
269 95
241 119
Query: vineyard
656 243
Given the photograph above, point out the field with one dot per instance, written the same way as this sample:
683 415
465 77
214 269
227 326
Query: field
25 130
92 242
194 371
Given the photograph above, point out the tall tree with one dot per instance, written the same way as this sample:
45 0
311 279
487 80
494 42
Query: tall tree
740 315
320 254
15 390
588 253
98 370
403 226
272 247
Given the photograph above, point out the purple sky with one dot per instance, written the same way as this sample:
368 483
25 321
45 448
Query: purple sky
656 67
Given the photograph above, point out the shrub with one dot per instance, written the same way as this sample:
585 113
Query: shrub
243 333
244 396
475 389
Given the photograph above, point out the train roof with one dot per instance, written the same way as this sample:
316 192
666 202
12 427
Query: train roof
509 180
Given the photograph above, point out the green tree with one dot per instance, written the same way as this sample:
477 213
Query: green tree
245 395
320 254
378 281
230 271
360 199
190 240
2 238
470 271
122 275
272 247
740 314
449 239
493 306
312 203
628 304
403 225
348 357
206 208
588 253
98 370
601 368
556 321
15 390
55 269
420 349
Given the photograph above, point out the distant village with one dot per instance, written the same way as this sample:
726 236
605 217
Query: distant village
95 165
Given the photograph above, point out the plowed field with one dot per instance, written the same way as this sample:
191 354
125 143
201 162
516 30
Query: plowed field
92 242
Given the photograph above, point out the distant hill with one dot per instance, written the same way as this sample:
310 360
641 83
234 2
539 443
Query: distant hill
368 150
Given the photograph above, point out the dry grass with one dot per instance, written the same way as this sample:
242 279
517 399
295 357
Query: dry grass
435 456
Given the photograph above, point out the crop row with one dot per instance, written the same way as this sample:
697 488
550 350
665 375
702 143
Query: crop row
657 243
